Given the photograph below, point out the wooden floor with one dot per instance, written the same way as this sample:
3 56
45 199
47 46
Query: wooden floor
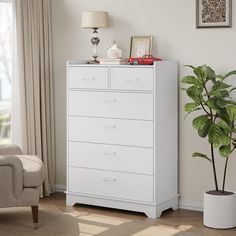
187 222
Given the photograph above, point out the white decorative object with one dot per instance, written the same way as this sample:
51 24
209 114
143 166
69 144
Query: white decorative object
122 151
219 211
114 52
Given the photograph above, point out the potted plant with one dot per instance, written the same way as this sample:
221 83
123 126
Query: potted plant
215 120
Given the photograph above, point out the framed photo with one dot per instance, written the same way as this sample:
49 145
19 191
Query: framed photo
213 13
140 46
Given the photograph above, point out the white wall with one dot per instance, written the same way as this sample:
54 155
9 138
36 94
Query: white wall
172 23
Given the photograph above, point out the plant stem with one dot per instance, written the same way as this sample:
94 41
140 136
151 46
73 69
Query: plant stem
227 159
205 109
225 171
212 148
214 167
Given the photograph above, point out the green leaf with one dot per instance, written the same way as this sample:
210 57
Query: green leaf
231 90
191 80
219 85
203 132
190 107
224 93
224 126
231 102
233 72
200 121
198 154
225 150
219 93
204 73
217 103
231 110
192 67
220 103
195 94
212 103
217 137
224 115
183 89
221 77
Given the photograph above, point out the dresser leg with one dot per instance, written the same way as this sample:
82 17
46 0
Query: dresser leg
71 200
153 213
175 206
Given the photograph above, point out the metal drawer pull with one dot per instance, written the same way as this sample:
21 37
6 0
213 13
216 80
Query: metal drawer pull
110 100
109 179
110 153
88 78
132 80
109 126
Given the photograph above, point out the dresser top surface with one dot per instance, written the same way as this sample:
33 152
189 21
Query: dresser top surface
82 63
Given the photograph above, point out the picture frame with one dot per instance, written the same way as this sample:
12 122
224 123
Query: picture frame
140 46
214 14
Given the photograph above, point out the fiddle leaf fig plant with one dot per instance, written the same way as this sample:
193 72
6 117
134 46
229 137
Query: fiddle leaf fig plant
215 120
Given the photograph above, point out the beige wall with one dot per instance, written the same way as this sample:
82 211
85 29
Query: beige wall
172 23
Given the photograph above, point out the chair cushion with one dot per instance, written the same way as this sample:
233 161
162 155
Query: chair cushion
34 172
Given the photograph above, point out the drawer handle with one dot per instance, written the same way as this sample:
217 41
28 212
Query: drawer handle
110 153
110 100
109 179
88 78
132 80
109 126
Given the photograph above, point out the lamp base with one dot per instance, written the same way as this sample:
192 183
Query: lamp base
93 62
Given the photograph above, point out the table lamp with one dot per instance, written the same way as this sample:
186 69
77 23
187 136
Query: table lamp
94 20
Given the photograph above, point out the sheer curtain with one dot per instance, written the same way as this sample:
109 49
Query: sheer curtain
34 96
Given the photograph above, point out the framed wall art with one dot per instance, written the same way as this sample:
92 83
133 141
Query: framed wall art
213 13
140 46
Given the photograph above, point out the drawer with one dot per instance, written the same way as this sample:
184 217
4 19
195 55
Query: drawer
111 184
108 104
111 157
132 78
111 131
88 77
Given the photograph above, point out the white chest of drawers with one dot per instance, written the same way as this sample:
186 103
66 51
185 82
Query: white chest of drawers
122 136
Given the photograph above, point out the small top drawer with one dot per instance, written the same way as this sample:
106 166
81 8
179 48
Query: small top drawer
88 77
132 78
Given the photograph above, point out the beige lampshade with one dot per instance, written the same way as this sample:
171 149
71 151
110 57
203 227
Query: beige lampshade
94 19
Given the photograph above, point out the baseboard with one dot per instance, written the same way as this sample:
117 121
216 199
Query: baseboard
191 205
60 188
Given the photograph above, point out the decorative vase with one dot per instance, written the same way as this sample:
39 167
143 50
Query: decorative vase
219 210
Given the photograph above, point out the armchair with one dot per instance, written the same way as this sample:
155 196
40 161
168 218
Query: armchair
20 179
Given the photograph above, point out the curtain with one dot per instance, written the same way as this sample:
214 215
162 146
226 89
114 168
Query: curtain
35 75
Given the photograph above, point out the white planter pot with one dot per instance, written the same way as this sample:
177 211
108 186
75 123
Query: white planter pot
219 211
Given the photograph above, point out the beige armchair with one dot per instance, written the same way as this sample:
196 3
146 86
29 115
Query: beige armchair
20 179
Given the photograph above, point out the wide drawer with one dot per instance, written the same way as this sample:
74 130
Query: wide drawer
88 77
132 78
110 104
111 131
111 184
111 157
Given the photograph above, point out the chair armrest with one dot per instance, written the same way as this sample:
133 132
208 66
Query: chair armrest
17 170
10 149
